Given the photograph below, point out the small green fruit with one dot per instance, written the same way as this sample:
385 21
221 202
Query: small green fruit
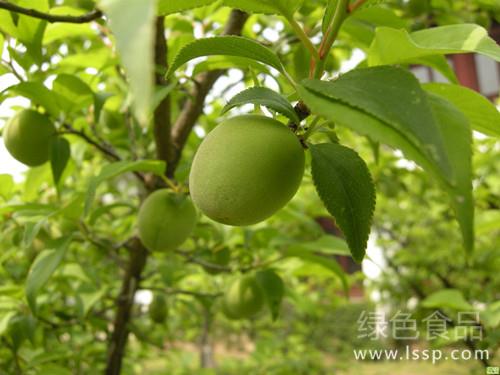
246 169
244 298
166 219
158 308
28 137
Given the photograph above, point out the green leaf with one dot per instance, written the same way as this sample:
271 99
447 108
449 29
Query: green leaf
59 157
133 27
491 315
73 94
482 114
57 32
457 136
4 321
397 105
345 186
21 328
393 46
447 298
274 290
228 62
228 46
266 97
285 7
38 94
327 262
31 230
174 6
42 268
114 169
328 244
388 105
30 30
6 186
328 15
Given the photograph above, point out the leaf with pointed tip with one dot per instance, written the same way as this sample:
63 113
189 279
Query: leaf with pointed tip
59 157
42 269
266 97
457 136
274 290
284 7
482 114
394 46
112 170
310 256
227 46
133 27
346 188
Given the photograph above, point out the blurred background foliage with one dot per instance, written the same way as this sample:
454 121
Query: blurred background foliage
415 245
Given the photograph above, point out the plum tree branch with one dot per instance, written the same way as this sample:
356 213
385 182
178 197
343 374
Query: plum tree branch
193 107
84 18
162 121
138 253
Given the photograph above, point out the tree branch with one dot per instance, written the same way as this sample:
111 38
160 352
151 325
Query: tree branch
162 120
138 253
193 107
88 17
124 302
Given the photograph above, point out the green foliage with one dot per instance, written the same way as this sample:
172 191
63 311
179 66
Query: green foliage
266 97
132 27
43 268
482 115
115 169
129 126
351 199
440 40
447 298
227 46
169 6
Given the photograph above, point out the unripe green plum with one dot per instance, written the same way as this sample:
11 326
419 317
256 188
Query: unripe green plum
28 136
165 220
246 169
244 298
158 308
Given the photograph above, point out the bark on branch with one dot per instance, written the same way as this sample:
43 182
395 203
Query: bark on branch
169 145
138 253
84 18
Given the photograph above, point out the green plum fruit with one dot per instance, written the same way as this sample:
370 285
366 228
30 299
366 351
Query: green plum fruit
165 220
28 137
158 308
246 169
244 298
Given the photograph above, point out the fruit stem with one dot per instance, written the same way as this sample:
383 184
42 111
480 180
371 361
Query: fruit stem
170 183
330 36
299 31
311 127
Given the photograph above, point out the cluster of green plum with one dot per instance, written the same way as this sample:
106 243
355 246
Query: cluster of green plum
244 299
244 171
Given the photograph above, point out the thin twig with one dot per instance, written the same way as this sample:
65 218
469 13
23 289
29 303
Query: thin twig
88 17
